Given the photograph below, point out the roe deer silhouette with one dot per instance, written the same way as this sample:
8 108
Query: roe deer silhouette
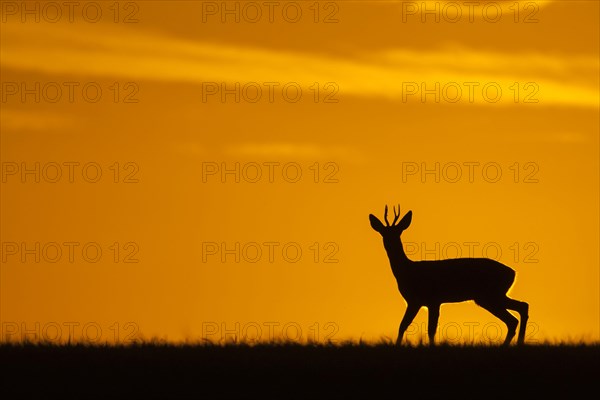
430 283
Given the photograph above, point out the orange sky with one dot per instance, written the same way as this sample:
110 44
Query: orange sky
386 98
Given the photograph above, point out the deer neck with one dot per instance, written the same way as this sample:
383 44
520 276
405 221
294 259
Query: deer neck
397 256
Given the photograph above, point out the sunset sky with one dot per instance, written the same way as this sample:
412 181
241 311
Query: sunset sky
223 158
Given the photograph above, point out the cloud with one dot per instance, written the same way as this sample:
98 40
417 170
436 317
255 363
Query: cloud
277 149
109 51
14 120
271 151
297 150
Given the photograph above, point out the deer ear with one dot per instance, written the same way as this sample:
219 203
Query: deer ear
376 223
405 221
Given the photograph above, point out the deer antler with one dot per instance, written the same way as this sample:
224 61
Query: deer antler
396 216
387 223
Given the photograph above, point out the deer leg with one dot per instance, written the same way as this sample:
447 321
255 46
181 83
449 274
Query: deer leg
510 320
434 315
523 309
409 315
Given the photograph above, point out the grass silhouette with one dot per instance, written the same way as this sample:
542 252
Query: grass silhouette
352 369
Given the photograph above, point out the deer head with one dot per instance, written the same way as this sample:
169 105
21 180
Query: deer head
391 233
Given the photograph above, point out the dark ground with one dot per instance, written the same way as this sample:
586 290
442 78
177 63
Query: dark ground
153 371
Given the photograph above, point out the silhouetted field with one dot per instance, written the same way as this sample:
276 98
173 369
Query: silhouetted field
153 370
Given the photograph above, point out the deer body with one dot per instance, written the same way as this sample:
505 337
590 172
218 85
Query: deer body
432 283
